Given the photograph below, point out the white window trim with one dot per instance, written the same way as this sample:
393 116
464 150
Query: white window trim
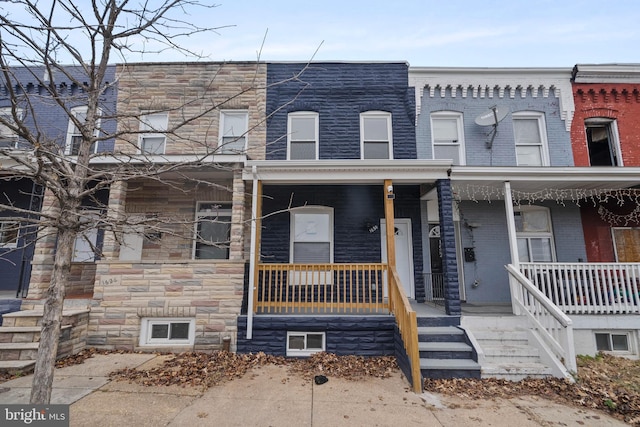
89 235
143 129
542 129
71 127
460 124
148 322
613 131
10 223
225 113
206 214
305 352
6 113
630 346
537 234
311 210
381 114
303 114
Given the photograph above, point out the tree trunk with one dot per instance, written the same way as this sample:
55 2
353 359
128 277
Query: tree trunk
52 320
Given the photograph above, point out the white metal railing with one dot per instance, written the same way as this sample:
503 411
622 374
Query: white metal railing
553 326
588 288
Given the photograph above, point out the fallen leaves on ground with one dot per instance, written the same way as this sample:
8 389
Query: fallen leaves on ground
207 369
606 383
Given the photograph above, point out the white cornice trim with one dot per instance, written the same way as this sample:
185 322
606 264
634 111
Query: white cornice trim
481 83
606 73
346 171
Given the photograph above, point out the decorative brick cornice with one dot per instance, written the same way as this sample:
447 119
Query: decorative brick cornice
499 83
596 93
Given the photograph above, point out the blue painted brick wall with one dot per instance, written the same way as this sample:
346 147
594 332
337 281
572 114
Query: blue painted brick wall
503 151
345 335
339 92
354 207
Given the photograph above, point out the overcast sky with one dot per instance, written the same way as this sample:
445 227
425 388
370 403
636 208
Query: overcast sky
483 33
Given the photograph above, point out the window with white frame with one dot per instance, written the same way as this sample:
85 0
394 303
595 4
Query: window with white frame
74 136
302 136
312 235
375 135
612 341
233 131
305 343
534 234
213 230
9 231
448 136
530 132
602 142
154 126
8 138
167 331
84 248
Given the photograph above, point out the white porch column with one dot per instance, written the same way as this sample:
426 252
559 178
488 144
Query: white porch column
254 256
513 242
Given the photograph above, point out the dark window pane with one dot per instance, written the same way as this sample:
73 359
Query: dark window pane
376 150
311 252
296 342
620 343
159 331
602 342
314 342
179 331
303 151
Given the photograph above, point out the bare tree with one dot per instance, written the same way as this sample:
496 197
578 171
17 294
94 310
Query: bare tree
78 40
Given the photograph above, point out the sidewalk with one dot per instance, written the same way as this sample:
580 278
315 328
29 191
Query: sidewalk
269 396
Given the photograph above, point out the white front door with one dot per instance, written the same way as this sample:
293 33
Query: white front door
404 252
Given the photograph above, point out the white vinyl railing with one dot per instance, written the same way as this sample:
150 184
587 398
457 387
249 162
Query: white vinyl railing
552 325
588 288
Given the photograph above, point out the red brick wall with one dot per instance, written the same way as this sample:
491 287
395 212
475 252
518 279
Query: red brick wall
615 101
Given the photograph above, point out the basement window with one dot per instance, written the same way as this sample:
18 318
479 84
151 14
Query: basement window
305 343
167 331
616 342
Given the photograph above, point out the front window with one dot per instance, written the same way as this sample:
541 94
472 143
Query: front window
74 136
154 126
8 138
312 235
303 136
213 230
447 136
233 131
85 246
602 142
530 139
534 234
375 135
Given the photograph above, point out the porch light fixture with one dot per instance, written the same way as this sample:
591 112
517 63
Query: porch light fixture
390 189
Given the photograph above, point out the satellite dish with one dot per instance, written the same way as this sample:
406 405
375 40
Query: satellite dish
492 116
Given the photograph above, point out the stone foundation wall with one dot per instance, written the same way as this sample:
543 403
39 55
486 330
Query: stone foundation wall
208 290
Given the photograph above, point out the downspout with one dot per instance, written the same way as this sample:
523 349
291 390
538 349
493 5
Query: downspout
513 239
252 252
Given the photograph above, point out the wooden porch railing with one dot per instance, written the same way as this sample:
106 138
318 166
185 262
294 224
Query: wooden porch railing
552 325
588 288
407 324
321 288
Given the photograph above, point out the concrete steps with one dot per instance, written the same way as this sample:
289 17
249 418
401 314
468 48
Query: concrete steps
20 336
445 351
504 344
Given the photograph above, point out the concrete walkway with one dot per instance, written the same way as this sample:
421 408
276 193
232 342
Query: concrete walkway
269 396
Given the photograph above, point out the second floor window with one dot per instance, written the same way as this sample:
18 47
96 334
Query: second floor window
375 135
303 136
154 126
447 135
602 142
8 138
233 131
530 139
74 136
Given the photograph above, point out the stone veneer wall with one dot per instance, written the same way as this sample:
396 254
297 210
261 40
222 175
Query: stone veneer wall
81 279
125 292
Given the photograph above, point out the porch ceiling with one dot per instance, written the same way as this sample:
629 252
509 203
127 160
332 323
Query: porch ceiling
490 180
347 171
